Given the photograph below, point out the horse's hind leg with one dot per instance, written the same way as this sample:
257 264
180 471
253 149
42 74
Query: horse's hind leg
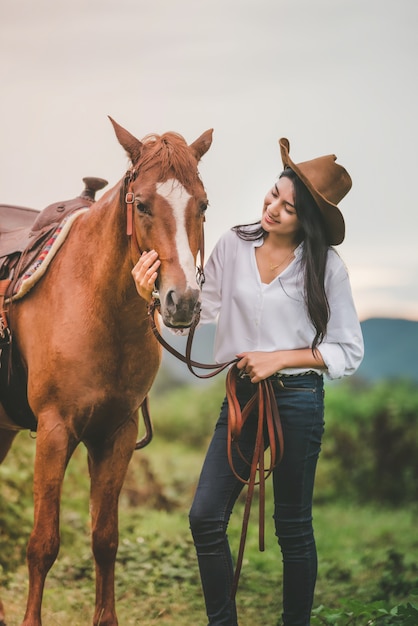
52 454
108 464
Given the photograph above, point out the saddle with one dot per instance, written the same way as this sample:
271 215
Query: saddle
23 234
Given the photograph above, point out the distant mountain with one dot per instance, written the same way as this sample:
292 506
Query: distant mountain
391 351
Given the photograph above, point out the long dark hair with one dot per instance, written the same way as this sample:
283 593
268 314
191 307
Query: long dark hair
314 256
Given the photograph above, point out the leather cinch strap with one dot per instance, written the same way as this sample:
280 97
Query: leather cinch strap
269 429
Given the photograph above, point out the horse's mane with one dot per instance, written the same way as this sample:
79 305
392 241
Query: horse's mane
168 152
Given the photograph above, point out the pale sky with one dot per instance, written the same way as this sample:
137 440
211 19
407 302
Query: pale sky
334 76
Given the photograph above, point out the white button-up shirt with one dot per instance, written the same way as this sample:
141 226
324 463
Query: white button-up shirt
252 315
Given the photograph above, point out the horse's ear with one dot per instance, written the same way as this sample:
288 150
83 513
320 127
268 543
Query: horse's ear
202 144
131 144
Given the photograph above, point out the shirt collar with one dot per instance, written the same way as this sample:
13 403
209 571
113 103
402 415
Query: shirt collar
298 250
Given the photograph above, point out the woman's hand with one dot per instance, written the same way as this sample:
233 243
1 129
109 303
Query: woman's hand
259 365
145 274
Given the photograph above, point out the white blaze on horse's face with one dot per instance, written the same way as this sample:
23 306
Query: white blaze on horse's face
177 196
175 305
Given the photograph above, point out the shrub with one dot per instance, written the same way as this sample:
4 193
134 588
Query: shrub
371 444
16 510
188 414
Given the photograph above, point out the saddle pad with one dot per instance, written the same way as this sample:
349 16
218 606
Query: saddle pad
38 268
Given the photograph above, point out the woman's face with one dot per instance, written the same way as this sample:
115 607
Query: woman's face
279 213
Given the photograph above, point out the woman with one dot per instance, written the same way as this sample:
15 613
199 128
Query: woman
282 301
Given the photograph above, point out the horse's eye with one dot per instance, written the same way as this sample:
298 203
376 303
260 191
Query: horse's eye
203 206
143 208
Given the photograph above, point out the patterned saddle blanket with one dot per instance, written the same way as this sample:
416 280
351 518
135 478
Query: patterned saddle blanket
29 240
24 250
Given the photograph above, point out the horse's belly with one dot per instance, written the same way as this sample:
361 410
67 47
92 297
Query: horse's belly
5 422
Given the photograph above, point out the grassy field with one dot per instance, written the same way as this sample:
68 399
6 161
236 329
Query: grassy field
367 553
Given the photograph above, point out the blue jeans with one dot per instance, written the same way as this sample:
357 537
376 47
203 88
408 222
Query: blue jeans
300 400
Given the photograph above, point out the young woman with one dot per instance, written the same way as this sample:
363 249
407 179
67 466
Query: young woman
282 301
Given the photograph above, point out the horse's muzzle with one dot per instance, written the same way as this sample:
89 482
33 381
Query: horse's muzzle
178 310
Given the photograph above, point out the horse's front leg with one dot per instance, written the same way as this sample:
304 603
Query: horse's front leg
108 462
52 454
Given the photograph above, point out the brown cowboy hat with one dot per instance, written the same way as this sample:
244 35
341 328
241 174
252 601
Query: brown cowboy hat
328 183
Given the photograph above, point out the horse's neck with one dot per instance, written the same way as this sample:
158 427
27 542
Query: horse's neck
102 246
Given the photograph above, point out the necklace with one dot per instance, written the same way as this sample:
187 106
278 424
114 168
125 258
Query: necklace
278 265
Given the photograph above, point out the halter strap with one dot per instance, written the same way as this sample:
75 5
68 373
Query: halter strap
129 198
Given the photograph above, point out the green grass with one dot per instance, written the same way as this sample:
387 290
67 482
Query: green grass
365 552
368 554
157 577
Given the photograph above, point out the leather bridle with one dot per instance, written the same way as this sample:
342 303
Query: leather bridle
129 199
263 399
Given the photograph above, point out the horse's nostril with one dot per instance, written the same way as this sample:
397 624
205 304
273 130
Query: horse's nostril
172 300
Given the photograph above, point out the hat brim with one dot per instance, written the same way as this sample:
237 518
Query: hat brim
334 220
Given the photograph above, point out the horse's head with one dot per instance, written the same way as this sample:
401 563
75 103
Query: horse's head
169 204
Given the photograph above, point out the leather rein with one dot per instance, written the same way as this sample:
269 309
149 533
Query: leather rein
269 430
268 423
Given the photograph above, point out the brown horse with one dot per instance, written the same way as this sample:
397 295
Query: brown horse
84 339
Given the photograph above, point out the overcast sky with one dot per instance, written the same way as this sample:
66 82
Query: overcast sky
334 76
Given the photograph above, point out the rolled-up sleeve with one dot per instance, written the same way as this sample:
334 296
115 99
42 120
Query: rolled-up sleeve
343 346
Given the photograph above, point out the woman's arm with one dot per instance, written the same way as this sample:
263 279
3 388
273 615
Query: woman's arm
342 348
260 365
